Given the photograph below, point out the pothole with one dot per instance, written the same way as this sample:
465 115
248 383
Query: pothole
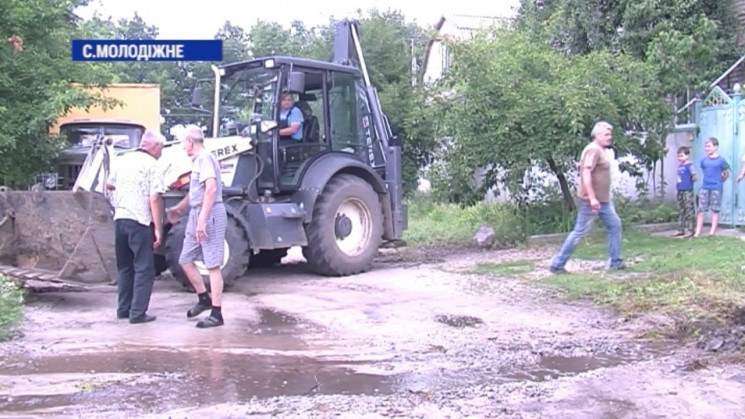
458 320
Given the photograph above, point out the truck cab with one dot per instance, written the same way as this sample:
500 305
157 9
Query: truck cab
78 136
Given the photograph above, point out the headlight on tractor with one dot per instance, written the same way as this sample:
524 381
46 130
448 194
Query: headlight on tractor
182 181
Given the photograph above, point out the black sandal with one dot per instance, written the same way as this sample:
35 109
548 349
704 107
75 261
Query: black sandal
210 321
198 309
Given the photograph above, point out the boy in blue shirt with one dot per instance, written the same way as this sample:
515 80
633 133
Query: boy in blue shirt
684 186
715 171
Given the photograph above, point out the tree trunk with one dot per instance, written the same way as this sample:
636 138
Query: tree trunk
568 198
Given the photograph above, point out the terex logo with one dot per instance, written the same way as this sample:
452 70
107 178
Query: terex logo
225 151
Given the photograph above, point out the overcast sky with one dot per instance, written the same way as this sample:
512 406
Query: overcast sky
200 19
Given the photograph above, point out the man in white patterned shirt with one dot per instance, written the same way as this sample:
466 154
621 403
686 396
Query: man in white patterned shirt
138 224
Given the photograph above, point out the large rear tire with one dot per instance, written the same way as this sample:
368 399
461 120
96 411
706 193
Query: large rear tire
347 228
236 254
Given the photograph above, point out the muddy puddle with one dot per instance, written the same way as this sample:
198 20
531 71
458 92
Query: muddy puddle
167 379
293 346
150 380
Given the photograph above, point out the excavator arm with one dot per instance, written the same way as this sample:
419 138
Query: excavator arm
348 51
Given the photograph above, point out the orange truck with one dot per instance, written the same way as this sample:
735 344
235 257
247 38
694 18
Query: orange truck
122 126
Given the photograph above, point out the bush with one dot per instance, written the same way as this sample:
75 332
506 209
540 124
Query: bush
433 223
548 217
644 213
11 306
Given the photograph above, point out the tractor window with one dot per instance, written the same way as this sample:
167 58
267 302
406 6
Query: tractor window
351 121
84 135
244 93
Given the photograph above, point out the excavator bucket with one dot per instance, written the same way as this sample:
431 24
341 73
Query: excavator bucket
61 236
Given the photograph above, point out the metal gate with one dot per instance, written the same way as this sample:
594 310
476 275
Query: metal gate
722 116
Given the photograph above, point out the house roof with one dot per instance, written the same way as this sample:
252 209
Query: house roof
466 25
461 27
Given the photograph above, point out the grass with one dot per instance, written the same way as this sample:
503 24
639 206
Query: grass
11 306
688 279
434 223
506 269
442 224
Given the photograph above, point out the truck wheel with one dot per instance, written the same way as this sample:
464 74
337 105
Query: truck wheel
267 258
347 228
236 254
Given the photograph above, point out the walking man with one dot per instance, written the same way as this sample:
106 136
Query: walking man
205 228
594 199
138 228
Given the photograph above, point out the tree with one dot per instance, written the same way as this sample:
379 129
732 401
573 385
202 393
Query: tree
694 38
388 43
688 42
36 82
235 42
386 39
520 105
175 78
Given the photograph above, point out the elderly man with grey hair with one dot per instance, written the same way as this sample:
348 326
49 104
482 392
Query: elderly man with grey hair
205 228
137 186
594 193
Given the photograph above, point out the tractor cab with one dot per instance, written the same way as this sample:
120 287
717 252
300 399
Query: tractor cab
325 94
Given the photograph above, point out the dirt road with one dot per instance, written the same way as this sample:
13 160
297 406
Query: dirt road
419 336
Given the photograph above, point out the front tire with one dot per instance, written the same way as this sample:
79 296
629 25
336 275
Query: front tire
236 254
347 228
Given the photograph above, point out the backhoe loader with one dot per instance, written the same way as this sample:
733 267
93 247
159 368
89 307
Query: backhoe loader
336 192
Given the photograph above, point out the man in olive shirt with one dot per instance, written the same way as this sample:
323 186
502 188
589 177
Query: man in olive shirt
594 196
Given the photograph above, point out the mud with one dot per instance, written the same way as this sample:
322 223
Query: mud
418 336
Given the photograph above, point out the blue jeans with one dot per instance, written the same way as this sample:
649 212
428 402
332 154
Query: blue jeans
585 218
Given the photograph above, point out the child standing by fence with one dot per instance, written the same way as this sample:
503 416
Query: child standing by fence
684 186
715 171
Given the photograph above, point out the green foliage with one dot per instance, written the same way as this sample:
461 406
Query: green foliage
520 105
176 79
634 213
270 38
690 41
36 82
548 216
433 222
683 44
386 39
686 59
441 224
11 306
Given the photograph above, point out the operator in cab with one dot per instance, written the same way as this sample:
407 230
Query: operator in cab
290 120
